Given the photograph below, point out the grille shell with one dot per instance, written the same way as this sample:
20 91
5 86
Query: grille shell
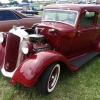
12 49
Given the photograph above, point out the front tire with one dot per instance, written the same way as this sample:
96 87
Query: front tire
49 78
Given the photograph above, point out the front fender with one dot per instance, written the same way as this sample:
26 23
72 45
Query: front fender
2 53
30 70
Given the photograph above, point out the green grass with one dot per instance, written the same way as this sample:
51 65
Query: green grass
83 84
40 13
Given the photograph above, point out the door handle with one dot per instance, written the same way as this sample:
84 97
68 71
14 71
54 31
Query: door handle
97 28
79 32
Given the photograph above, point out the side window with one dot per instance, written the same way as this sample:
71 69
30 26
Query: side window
7 15
98 20
87 18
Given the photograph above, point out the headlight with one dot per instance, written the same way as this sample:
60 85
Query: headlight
24 48
1 37
26 37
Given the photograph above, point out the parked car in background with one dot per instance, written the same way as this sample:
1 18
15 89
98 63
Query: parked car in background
37 7
24 11
30 12
19 9
68 36
10 17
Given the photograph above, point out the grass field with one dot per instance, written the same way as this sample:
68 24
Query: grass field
83 84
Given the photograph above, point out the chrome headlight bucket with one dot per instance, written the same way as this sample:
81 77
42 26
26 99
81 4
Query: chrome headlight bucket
26 37
1 37
24 47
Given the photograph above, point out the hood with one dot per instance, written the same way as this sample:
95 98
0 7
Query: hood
54 31
59 27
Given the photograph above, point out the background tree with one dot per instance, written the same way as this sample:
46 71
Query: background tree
25 1
0 4
31 1
13 3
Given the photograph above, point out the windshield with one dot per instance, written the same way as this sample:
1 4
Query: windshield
65 16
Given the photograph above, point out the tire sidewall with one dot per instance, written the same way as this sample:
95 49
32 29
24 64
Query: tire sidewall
44 79
53 67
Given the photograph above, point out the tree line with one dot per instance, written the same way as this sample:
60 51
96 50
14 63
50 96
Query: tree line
15 2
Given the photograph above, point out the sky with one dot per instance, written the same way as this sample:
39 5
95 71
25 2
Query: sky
7 1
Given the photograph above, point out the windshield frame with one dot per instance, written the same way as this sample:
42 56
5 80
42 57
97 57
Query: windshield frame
57 10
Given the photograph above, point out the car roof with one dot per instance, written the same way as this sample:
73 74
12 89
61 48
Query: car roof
6 8
73 6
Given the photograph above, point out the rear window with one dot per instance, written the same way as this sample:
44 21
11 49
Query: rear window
7 15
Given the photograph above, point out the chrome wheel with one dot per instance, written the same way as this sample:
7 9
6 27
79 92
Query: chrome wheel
53 78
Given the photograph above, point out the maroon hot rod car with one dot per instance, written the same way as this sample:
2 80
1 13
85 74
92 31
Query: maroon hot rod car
68 35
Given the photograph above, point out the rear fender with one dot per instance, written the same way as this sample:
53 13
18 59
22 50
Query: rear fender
30 70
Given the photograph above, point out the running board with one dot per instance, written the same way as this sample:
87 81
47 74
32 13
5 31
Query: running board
82 60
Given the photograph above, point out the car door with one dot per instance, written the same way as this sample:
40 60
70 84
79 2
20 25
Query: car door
7 20
83 40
